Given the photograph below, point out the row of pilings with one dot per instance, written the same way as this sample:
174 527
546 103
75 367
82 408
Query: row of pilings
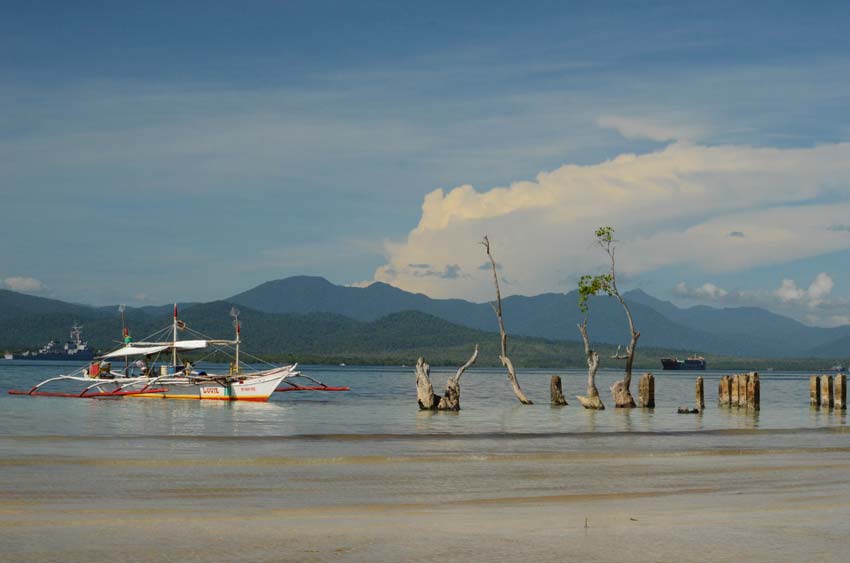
742 390
828 392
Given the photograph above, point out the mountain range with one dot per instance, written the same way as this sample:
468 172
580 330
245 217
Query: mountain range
737 331
309 315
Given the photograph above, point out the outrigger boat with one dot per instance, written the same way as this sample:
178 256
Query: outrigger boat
177 381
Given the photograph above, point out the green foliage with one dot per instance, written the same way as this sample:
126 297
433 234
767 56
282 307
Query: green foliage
588 286
605 235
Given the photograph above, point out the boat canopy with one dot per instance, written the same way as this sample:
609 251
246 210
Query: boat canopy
142 349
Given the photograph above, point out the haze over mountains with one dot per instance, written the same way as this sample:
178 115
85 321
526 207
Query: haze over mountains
741 331
314 305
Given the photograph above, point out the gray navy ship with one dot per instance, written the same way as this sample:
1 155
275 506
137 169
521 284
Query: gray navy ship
76 350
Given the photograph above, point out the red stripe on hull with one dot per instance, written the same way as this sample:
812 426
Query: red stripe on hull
85 395
311 388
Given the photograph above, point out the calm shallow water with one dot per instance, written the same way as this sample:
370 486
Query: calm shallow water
347 476
381 409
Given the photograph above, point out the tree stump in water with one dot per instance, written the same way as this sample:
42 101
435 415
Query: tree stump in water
424 390
428 400
724 391
814 391
591 401
840 402
699 392
827 397
622 396
743 385
753 392
646 391
556 394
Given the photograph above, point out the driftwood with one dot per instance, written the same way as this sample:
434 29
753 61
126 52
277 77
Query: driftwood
497 308
556 393
425 395
592 400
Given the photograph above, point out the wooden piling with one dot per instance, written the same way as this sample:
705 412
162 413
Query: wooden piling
699 391
814 390
840 387
646 391
556 394
827 392
753 392
742 389
733 395
724 391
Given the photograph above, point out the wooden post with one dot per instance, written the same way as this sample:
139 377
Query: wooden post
700 394
827 397
840 402
733 395
814 390
753 392
646 391
556 394
743 380
724 391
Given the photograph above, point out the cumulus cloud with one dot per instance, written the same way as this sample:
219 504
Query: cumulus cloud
23 284
673 207
707 291
814 304
816 294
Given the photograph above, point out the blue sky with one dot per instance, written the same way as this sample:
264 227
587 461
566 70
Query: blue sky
152 152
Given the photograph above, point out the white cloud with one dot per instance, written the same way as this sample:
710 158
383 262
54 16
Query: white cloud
675 206
817 293
23 284
707 291
814 305
638 128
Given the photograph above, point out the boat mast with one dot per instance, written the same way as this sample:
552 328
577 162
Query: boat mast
174 341
234 312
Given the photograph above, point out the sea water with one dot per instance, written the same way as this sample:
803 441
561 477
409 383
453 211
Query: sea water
72 464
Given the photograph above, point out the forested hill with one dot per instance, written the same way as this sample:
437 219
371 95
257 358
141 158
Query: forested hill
397 339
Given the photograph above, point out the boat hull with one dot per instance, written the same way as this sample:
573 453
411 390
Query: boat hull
256 389
673 364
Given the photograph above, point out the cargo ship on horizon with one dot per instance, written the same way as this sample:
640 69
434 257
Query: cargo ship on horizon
692 363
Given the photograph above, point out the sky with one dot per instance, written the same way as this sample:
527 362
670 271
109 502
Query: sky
158 151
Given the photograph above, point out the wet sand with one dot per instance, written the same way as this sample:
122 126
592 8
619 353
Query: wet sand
738 505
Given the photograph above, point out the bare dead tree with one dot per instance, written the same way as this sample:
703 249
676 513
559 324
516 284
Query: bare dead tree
425 395
497 308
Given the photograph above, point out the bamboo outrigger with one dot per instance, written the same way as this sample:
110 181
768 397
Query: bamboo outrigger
177 381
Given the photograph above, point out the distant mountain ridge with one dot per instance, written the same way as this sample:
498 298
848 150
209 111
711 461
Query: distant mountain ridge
742 331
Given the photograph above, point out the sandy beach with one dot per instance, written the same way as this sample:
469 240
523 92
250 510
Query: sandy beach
748 505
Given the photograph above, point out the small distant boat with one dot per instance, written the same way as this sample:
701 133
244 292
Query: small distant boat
692 363
8 356
838 368
173 379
